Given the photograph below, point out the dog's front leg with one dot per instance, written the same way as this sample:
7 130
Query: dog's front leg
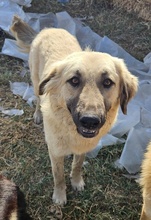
59 193
76 173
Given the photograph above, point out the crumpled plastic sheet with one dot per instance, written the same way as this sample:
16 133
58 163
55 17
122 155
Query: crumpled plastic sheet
12 112
24 90
26 3
137 123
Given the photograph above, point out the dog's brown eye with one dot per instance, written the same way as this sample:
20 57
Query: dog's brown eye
107 83
74 81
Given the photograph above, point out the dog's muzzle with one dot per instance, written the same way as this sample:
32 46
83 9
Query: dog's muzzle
89 125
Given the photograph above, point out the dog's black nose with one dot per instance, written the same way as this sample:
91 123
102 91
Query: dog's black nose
90 122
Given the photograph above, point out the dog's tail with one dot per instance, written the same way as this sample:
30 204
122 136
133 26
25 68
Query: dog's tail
23 33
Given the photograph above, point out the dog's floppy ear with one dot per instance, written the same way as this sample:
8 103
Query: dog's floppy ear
50 80
129 84
43 83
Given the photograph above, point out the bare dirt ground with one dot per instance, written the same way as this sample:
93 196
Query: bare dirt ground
23 152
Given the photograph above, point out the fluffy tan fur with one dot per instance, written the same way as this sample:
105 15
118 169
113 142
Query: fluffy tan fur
56 62
145 183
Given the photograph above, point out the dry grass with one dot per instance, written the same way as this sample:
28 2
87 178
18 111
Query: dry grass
142 7
23 152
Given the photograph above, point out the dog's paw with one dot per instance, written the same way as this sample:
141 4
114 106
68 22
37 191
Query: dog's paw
37 117
59 197
78 184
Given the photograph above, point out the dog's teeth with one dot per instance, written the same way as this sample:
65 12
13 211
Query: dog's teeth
88 131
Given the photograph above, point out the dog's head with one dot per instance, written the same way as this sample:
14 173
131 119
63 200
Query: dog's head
89 85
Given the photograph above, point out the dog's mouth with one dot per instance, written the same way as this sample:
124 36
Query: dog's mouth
89 125
87 133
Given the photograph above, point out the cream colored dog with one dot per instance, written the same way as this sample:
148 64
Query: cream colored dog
145 183
80 93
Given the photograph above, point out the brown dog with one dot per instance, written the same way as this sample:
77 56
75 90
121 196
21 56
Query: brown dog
12 202
79 93
145 183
